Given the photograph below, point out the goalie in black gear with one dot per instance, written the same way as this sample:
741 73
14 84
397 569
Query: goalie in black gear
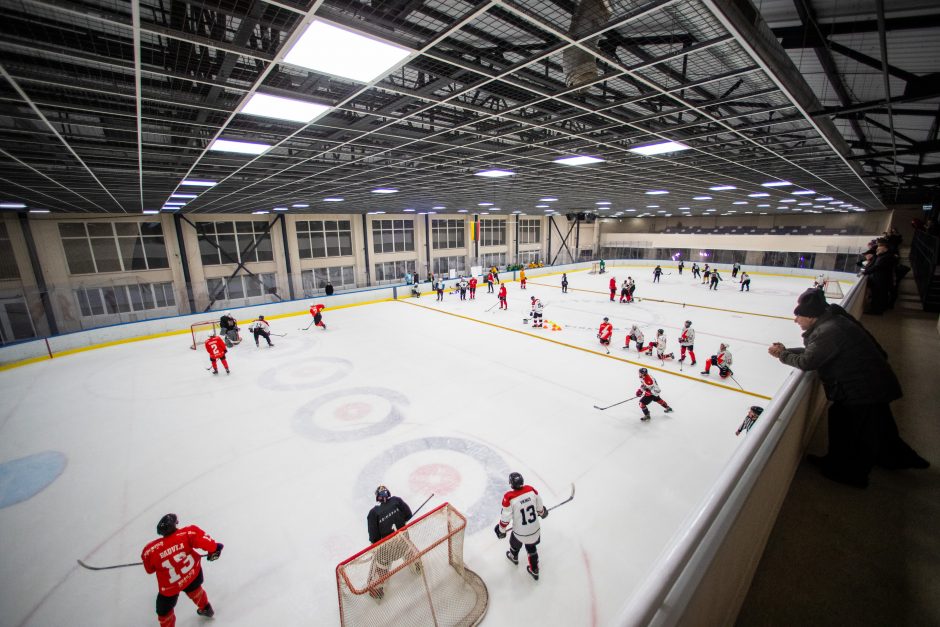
229 328
522 506
385 519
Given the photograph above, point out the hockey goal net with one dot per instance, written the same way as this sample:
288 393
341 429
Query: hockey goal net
595 268
832 289
415 576
200 332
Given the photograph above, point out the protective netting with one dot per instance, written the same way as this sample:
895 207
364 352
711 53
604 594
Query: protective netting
415 577
201 331
832 289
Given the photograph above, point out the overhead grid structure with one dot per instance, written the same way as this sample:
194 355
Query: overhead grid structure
110 106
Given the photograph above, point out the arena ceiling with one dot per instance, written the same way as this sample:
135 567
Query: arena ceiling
109 106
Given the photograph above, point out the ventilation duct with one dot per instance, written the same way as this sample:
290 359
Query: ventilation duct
579 65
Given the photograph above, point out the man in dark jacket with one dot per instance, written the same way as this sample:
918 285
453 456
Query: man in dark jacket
880 273
860 384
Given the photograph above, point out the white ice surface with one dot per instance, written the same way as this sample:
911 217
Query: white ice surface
279 459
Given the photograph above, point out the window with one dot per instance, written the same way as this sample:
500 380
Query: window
493 259
314 281
115 299
232 242
492 232
241 286
324 238
443 265
528 256
393 236
530 231
447 234
8 269
93 247
393 271
789 260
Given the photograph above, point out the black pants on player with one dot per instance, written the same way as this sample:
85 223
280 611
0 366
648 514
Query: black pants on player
166 604
261 333
515 545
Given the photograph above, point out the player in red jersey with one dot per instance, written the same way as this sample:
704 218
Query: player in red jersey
215 346
177 564
522 505
317 316
502 297
613 288
473 287
649 393
604 333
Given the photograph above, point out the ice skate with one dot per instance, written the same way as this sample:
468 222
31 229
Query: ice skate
512 558
206 611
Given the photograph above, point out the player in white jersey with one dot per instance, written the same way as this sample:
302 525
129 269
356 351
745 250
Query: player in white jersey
522 506
537 311
636 334
723 360
687 341
660 345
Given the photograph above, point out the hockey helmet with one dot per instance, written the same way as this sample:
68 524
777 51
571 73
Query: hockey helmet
606 319
757 410
516 481
688 323
167 524
382 494
643 372
659 331
723 346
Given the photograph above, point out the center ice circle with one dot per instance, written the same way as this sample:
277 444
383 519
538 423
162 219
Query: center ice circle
434 478
352 411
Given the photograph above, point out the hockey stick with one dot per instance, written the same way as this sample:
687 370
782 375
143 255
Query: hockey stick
548 509
493 305
614 405
415 513
278 334
84 565
307 327
731 376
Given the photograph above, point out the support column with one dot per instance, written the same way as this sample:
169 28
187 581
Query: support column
290 278
184 261
365 243
37 272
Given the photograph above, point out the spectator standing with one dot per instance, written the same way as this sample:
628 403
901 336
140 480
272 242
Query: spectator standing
328 289
880 273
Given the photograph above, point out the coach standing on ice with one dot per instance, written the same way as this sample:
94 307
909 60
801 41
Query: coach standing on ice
860 384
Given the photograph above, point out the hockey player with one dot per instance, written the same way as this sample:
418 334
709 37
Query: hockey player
440 290
752 415
715 278
660 345
687 341
522 506
613 288
681 267
472 286
649 393
174 559
625 291
637 336
415 290
463 285
260 328
735 268
317 316
723 360
217 350
695 271
390 515
706 275
229 327
631 287
522 279
564 283
489 282
819 282
745 282
537 310
657 272
604 333
502 297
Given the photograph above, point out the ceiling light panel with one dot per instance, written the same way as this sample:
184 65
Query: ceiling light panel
579 160
268 106
238 147
659 148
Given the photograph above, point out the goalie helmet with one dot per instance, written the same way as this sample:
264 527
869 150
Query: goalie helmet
643 372
382 494
516 481
167 524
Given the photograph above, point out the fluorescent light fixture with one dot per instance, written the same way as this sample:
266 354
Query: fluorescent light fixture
517 211
384 190
543 206
260 211
300 205
630 210
602 202
408 210
174 204
788 200
722 188
484 213
659 148
461 211
578 160
494 174
378 212
280 209
739 202
656 192
12 205
198 183
685 208
836 202
805 204
363 58
484 204
495 209
758 195
244 148
822 198
803 192
763 205
150 212
268 106
702 198
652 206
42 211
183 195
338 199
776 184
548 199
661 211
438 207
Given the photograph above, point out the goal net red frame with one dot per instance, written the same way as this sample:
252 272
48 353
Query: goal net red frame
200 332
416 576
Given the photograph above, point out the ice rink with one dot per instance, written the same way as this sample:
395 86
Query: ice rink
279 460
